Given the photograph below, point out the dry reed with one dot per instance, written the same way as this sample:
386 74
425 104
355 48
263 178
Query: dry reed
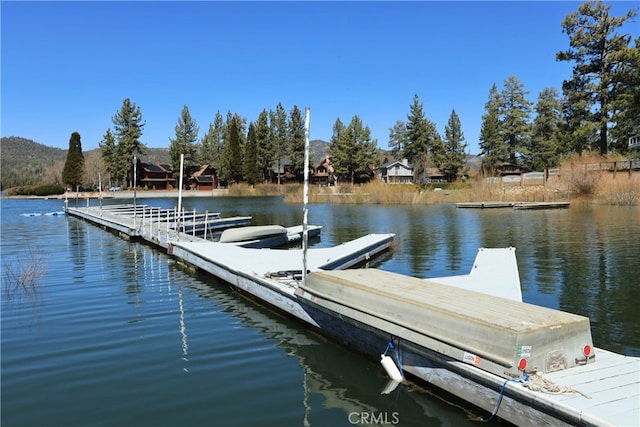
580 179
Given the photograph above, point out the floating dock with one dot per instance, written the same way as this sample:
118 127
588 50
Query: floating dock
514 205
159 226
368 309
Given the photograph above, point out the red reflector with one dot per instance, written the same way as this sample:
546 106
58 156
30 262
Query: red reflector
522 364
586 350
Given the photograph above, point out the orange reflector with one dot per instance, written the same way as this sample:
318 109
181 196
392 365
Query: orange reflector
522 364
586 350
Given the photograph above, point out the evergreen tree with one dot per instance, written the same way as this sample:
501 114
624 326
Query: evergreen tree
108 151
73 171
335 144
545 138
516 113
295 128
128 126
211 145
626 101
264 140
454 147
492 145
280 136
423 141
398 138
231 164
184 143
353 153
579 129
252 170
595 49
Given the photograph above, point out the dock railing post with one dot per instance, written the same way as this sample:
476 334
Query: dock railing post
135 184
179 212
305 232
206 223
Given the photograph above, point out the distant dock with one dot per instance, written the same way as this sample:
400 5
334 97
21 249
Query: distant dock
161 226
513 205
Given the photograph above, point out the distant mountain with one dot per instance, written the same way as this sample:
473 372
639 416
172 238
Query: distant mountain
25 162
318 150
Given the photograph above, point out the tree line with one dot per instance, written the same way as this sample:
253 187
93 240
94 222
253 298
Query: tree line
599 109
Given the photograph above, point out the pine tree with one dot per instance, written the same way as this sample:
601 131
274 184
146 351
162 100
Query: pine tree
295 151
516 113
545 137
108 151
128 126
280 136
352 151
626 101
212 143
252 172
73 171
184 142
595 49
264 140
231 159
423 141
398 138
492 144
336 148
454 147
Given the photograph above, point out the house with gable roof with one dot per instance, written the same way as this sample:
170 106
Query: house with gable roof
396 172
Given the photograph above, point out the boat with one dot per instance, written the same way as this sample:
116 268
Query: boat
256 232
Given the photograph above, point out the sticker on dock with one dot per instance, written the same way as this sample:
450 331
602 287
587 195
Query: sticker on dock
524 351
471 358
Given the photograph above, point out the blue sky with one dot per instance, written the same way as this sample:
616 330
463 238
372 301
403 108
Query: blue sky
67 66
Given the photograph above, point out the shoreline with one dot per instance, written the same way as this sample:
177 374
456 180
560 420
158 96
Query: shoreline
128 194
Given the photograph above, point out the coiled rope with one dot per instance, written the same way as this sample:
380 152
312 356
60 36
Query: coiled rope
539 383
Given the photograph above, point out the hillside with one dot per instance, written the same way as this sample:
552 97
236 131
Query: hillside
25 162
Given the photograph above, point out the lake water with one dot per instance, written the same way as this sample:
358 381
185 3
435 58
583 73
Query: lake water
99 331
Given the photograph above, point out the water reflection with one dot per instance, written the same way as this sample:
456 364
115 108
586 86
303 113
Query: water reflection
583 259
337 379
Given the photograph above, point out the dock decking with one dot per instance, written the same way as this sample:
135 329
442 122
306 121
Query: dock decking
159 226
514 205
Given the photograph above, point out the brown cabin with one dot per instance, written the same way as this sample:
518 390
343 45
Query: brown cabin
158 176
322 173
204 178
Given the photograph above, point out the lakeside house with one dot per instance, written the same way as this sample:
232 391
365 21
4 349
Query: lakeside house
203 178
396 172
158 176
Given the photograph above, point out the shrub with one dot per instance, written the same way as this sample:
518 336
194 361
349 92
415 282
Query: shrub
48 190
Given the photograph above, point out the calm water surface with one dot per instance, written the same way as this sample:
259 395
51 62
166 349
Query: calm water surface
98 331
